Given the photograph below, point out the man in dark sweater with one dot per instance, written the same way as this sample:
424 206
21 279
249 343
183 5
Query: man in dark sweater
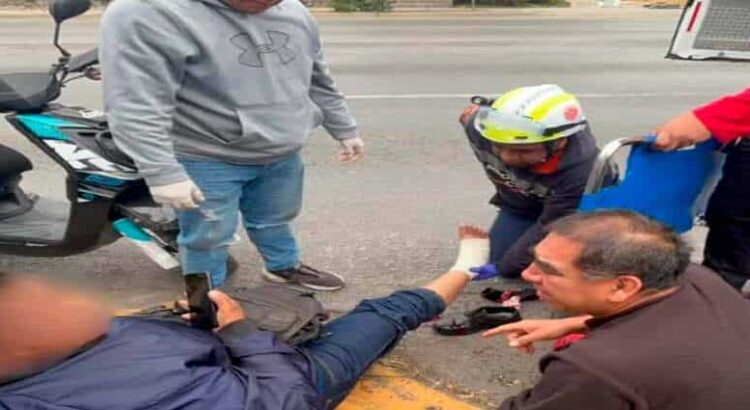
536 148
654 332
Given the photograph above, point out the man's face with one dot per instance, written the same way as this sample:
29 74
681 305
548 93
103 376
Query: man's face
251 6
43 323
560 283
521 155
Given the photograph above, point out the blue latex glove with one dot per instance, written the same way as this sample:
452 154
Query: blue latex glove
486 271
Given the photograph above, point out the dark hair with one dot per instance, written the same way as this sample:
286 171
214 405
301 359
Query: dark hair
621 242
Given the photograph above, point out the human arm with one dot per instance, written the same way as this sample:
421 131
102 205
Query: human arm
337 117
141 73
725 119
276 367
522 335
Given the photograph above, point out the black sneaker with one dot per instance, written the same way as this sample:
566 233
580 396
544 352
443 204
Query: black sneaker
306 276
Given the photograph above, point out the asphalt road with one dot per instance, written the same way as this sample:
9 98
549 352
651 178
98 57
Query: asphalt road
388 222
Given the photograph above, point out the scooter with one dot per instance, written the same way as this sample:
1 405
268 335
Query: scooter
106 198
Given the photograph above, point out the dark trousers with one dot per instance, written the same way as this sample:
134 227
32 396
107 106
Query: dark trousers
505 232
728 216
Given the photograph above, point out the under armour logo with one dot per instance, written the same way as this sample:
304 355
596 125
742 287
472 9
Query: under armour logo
252 51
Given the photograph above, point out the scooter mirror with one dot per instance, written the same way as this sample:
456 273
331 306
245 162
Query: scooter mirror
62 10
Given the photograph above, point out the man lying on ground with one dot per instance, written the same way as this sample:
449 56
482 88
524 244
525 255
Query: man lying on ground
62 350
657 334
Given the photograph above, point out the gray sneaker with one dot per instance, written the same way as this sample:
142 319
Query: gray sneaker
306 276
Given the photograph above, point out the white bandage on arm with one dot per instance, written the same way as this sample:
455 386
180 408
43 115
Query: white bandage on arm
472 252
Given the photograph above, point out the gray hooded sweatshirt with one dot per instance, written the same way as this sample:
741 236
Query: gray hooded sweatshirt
198 79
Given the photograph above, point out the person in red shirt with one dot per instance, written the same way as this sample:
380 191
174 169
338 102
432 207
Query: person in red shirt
727 120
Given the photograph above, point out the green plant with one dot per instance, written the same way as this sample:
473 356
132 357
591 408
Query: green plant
362 5
514 3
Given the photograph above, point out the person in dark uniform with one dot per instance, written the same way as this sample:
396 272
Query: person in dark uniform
537 149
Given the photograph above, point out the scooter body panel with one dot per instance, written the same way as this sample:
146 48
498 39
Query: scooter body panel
92 184
106 197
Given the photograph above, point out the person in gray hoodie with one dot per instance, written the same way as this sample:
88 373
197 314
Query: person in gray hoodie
213 100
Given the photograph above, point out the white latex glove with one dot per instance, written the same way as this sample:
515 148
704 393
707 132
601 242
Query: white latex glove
352 149
180 195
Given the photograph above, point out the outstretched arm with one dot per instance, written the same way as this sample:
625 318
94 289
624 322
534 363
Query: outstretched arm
725 119
522 335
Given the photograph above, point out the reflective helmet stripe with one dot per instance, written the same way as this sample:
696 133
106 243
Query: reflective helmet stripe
500 102
506 135
540 112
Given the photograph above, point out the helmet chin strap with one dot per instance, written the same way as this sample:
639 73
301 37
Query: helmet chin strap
552 147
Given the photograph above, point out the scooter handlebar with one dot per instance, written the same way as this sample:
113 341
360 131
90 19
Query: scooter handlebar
80 62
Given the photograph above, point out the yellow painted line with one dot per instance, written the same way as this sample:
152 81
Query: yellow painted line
383 388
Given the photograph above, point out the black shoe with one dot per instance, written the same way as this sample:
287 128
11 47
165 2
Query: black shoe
306 276
483 318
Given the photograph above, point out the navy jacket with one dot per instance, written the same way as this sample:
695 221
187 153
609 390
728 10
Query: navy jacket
162 365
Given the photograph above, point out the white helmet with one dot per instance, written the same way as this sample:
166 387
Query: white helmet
530 115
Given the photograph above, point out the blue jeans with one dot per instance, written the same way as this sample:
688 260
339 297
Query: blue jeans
350 344
505 231
268 196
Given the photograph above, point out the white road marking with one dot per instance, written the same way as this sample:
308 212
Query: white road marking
581 95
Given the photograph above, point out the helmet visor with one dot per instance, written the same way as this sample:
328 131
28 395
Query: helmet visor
504 128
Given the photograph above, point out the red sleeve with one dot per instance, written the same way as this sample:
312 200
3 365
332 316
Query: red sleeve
727 118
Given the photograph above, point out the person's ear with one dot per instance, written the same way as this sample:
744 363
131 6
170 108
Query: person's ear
624 287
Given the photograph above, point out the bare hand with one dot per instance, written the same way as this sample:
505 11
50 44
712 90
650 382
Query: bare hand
228 310
681 131
522 335
468 112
